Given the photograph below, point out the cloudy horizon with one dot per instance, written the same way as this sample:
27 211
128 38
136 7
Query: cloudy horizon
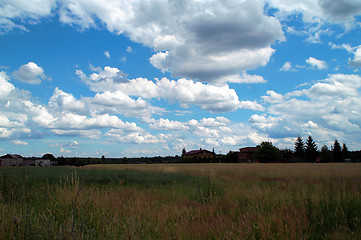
149 78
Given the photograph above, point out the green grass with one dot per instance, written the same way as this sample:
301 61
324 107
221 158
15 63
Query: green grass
194 201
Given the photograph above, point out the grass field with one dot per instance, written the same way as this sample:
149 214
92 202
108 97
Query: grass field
182 201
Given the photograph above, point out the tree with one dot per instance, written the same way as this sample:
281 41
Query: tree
184 152
337 152
232 157
325 155
345 152
299 148
48 156
310 150
266 152
286 155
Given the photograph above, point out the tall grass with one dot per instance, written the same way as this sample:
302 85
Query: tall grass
200 201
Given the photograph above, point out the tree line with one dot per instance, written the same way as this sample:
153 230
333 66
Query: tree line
303 152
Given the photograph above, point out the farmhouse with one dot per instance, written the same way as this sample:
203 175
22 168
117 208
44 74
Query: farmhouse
11 160
246 154
43 162
198 153
29 161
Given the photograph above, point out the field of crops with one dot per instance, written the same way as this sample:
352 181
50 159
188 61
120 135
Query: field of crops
182 201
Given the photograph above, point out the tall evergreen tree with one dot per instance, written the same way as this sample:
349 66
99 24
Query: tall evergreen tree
345 153
299 148
337 152
184 151
310 150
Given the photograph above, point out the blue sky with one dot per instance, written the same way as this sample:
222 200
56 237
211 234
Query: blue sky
149 78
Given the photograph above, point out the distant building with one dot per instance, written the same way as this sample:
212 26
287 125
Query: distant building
43 162
201 153
246 154
29 161
11 160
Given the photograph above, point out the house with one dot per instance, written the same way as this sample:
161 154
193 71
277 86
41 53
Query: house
246 155
11 160
43 162
201 153
29 161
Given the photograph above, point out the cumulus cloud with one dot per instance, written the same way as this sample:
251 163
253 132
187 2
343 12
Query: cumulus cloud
135 137
166 124
27 11
328 109
64 115
6 86
213 98
356 61
30 73
72 144
356 51
61 101
19 142
342 11
286 67
242 78
107 54
317 15
189 42
273 97
315 63
208 46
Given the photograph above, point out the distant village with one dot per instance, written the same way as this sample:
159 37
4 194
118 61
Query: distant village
243 155
18 160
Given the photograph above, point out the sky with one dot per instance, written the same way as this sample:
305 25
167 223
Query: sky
132 78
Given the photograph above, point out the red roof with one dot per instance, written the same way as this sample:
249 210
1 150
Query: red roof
195 152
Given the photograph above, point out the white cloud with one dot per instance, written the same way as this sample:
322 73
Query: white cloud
30 73
18 142
243 78
317 15
129 49
342 11
61 101
315 63
345 46
88 133
356 61
63 150
6 87
72 144
135 137
202 45
212 98
273 97
107 54
166 124
286 67
329 109
23 10
118 102
340 85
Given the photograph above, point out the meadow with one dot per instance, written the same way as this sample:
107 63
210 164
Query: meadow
182 201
